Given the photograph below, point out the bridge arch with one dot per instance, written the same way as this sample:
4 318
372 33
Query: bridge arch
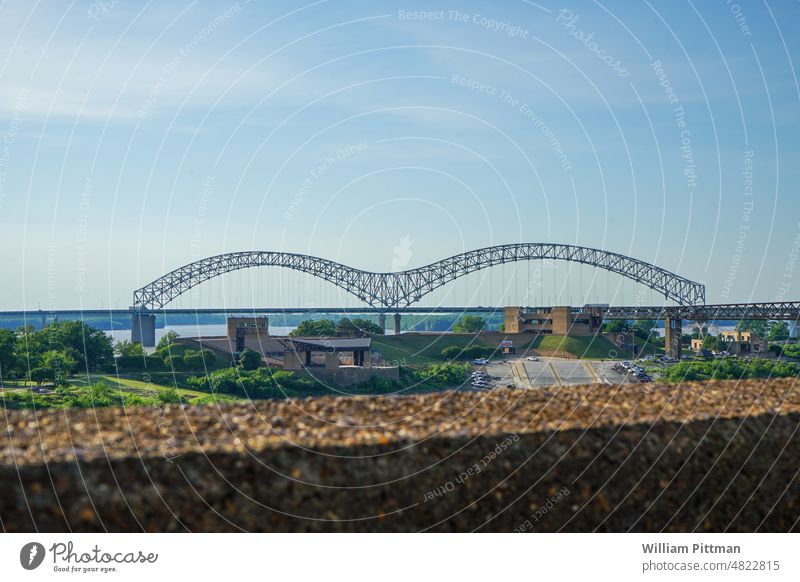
402 289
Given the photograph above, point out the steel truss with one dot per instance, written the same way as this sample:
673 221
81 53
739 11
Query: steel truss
782 311
402 289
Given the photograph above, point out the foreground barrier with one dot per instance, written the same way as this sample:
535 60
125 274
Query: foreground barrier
649 459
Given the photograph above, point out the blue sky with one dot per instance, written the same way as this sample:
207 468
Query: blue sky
141 136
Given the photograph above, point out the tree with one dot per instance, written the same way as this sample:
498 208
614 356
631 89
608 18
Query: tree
127 348
357 327
778 331
467 352
93 346
469 324
40 375
616 326
711 342
193 360
757 326
312 328
644 328
61 364
249 359
8 346
63 360
167 340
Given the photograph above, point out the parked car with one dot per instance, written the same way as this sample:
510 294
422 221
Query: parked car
532 359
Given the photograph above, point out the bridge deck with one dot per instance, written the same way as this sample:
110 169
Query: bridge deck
784 310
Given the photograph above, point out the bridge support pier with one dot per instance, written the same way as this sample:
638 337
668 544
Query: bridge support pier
396 323
143 329
793 330
382 321
673 330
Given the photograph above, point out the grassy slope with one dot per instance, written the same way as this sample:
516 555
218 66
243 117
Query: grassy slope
580 346
420 349
133 386
427 349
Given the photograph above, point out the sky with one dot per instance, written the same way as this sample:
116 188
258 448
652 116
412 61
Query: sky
139 136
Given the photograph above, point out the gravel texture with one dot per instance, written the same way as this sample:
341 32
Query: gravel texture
716 456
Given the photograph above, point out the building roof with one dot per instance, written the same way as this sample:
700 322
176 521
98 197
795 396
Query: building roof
264 345
275 345
332 344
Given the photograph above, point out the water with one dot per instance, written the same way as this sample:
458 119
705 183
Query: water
193 331
712 329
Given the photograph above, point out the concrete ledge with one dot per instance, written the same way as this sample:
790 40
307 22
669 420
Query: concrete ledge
625 459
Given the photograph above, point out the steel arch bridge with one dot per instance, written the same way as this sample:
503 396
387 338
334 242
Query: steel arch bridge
402 289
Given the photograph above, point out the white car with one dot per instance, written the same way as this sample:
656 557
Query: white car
481 362
532 359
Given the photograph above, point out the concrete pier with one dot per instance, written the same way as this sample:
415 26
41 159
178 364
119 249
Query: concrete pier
673 330
143 329
396 323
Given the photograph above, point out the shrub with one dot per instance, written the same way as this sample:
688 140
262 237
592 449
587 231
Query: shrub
468 352
249 359
168 396
730 369
439 375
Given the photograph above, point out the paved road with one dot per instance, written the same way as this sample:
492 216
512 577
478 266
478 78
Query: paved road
552 372
539 374
572 372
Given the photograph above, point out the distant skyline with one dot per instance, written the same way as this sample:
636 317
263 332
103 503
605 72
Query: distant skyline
387 135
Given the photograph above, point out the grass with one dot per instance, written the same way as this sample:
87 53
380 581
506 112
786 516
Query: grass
133 386
647 347
413 349
590 347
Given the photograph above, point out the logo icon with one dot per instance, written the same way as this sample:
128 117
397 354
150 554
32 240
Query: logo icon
31 555
402 254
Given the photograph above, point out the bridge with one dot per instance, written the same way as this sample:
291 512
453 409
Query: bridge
672 315
397 292
387 291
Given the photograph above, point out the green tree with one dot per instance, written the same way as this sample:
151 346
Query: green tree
167 340
31 344
314 328
711 342
249 359
357 327
127 348
616 326
192 360
469 324
757 326
8 347
61 361
199 360
41 375
645 328
93 347
778 331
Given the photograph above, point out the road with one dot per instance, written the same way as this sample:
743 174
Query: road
552 372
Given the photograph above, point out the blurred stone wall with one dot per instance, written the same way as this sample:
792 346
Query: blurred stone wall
705 475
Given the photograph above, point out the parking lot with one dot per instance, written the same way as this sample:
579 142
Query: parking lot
549 372
534 375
